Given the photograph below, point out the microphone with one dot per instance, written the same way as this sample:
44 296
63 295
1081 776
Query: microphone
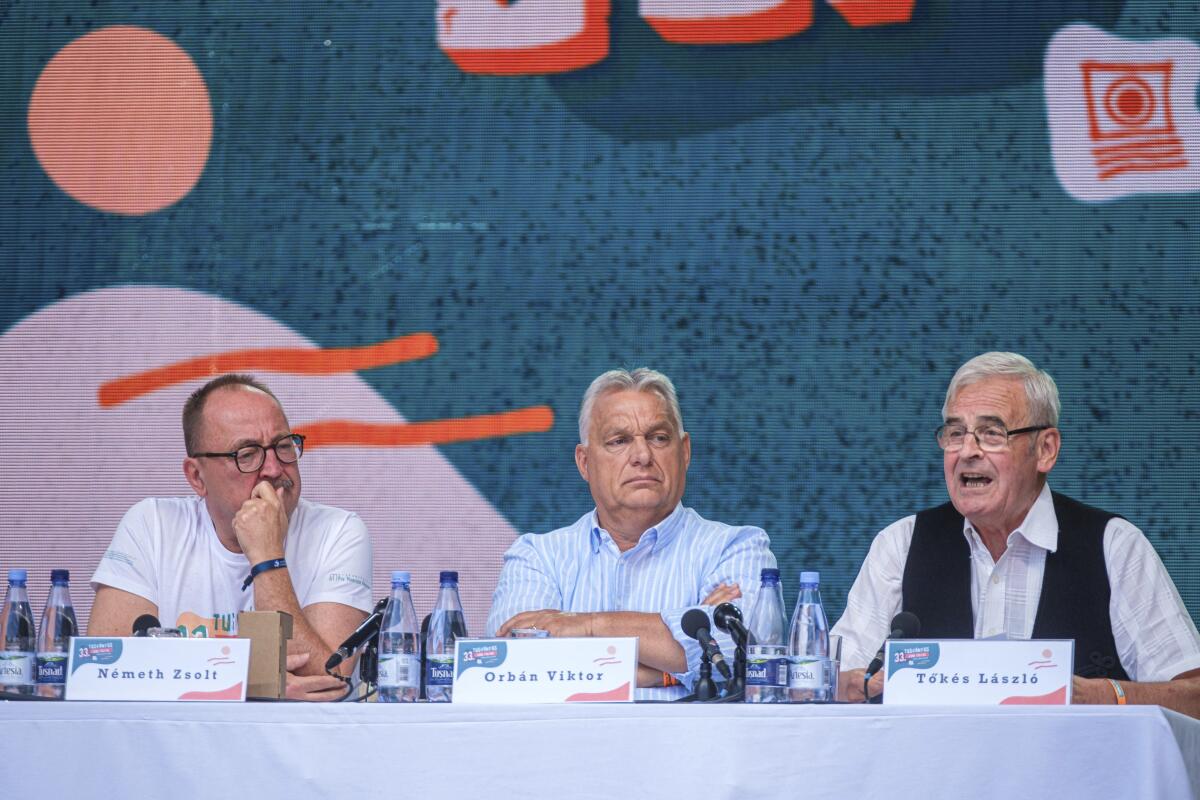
143 624
368 628
905 625
729 619
695 624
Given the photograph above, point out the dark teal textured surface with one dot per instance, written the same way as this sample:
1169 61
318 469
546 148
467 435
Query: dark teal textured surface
808 246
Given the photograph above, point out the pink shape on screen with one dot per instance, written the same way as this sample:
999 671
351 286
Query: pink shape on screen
71 468
1056 698
232 693
619 693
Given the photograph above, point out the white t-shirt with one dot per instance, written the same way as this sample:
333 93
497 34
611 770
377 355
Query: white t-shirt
167 551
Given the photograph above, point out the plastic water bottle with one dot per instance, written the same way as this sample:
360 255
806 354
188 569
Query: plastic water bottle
18 667
446 624
808 645
399 646
766 661
768 621
54 636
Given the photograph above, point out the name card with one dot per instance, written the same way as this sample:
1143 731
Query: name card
128 668
970 672
568 670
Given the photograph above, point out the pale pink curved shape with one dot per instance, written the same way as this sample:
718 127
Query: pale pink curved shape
69 469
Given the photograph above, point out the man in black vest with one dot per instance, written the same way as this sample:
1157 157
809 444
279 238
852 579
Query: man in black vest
1008 557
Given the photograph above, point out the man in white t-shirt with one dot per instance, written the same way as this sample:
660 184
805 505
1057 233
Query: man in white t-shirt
246 541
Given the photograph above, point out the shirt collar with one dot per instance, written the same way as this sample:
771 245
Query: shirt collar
1040 526
659 535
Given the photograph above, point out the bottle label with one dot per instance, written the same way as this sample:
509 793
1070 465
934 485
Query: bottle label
770 672
399 671
16 669
806 672
439 670
52 668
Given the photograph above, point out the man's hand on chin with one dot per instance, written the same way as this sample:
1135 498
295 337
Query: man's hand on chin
316 688
262 523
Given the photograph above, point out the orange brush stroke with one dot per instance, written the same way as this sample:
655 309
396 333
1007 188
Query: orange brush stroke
332 433
300 361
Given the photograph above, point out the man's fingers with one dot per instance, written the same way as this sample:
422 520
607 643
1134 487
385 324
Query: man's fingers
529 619
723 593
296 660
734 591
264 491
515 622
315 687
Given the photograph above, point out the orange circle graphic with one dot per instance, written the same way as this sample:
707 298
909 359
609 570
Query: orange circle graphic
120 119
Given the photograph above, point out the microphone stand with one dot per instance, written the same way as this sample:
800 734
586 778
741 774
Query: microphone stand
705 688
368 664
738 684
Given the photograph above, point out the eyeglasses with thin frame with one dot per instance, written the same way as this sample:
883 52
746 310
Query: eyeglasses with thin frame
288 449
991 438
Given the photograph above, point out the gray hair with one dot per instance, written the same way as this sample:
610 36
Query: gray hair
1040 390
642 379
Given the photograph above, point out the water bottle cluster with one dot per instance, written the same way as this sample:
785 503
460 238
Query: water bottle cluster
788 664
401 647
34 661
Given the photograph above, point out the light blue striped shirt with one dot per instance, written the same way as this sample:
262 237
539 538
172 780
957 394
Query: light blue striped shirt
673 567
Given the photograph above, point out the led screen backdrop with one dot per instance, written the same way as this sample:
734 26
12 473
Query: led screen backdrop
429 226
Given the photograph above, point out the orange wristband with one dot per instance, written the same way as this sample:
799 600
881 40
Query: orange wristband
1118 691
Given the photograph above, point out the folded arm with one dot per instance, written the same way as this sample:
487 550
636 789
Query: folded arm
261 525
317 629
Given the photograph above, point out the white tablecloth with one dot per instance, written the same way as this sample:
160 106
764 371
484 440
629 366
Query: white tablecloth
255 751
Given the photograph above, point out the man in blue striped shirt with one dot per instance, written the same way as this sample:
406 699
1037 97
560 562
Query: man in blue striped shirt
636 563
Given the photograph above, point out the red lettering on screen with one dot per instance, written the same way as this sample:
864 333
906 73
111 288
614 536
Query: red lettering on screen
718 22
865 13
540 37
523 37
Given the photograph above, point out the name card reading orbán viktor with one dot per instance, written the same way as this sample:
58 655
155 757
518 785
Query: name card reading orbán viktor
128 668
567 670
983 672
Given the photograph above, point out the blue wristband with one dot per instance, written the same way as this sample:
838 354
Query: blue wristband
260 568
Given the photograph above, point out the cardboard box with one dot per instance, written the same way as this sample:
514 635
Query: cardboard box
268 632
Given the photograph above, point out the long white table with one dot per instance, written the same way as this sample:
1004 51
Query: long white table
257 751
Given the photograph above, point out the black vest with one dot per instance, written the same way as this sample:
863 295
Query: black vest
1075 589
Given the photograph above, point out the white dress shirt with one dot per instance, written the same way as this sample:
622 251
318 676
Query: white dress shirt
1155 636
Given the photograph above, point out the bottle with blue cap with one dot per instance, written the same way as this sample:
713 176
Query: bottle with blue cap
54 636
766 663
399 645
446 624
18 662
808 644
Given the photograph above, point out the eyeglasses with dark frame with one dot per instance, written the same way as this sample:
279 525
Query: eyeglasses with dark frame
991 438
288 449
